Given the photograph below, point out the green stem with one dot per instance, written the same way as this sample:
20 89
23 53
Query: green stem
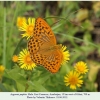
17 47
26 87
65 18
55 17
11 30
4 39
69 36
12 23
28 79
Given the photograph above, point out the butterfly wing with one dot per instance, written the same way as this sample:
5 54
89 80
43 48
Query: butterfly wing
43 31
52 63
42 39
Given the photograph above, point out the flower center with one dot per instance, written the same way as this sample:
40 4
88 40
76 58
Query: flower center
81 69
28 60
30 29
73 80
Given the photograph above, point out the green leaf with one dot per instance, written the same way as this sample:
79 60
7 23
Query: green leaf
37 86
2 88
20 86
44 77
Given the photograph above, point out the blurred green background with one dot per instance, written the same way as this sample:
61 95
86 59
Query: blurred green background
80 32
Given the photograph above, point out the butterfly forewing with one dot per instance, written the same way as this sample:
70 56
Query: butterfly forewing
43 31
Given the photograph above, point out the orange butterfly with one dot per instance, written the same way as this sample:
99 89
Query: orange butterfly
43 47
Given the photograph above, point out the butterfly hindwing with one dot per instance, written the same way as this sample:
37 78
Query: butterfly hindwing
52 62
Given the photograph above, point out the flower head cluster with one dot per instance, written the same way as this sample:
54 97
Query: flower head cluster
20 21
25 60
74 78
26 26
81 67
15 58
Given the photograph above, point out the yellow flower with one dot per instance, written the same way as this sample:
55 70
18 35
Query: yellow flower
25 61
73 79
15 58
2 68
28 28
20 21
81 67
65 54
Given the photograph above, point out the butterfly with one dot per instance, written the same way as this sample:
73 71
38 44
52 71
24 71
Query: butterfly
43 48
